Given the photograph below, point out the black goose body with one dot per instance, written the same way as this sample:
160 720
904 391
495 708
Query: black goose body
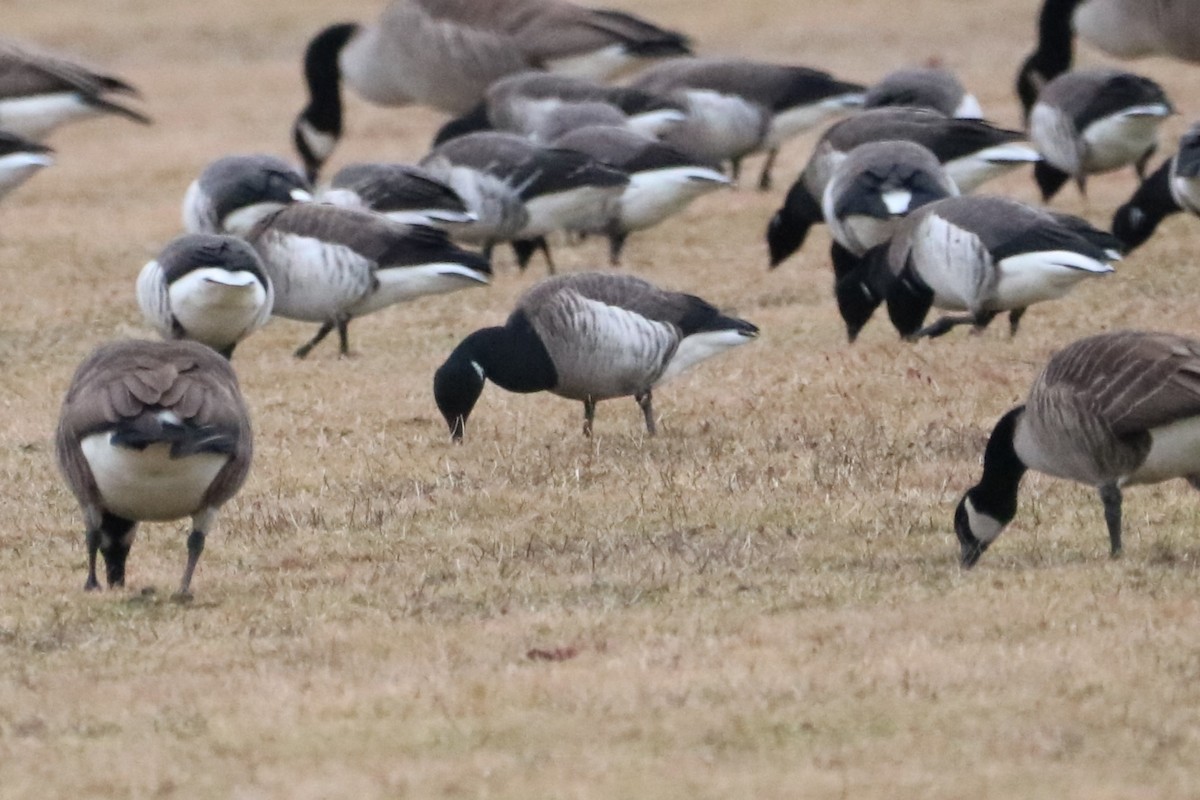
588 337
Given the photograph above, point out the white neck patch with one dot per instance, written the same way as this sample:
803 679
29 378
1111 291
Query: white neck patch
985 527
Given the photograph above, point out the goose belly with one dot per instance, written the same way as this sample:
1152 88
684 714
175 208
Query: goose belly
398 284
16 168
1120 139
858 233
216 307
35 116
608 352
582 208
718 127
699 347
1029 278
148 484
1174 452
653 196
595 65
314 281
498 210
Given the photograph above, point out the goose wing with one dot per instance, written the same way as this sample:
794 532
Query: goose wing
27 71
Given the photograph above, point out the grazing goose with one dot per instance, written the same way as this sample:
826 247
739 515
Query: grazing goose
151 432
737 106
1110 411
588 337
924 87
1175 186
400 192
972 151
40 90
527 102
1123 28
1094 120
445 53
980 254
662 180
208 288
19 160
234 192
520 191
872 189
329 265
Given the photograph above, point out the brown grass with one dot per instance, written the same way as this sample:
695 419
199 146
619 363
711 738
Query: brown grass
762 602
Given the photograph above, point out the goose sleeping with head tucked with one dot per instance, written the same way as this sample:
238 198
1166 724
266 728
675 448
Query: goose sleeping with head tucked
587 337
1109 411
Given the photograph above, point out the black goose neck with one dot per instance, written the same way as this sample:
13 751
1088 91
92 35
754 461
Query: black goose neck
323 76
996 492
513 357
1054 53
908 302
1134 222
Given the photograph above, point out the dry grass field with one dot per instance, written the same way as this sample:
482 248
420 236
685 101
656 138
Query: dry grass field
764 601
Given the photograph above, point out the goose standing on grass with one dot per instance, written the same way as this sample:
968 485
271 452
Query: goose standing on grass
520 191
445 53
737 106
330 265
1174 187
234 192
208 288
978 254
525 103
1123 28
400 192
151 432
971 151
41 90
1094 120
933 88
662 180
20 159
1109 411
871 190
587 337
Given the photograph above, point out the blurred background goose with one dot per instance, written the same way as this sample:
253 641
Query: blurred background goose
1094 120
933 88
208 288
234 192
587 337
1123 28
20 160
400 192
1109 411
445 53
1174 187
150 432
41 90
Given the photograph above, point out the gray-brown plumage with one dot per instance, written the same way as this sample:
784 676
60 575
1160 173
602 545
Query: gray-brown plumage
151 431
40 90
924 87
1108 411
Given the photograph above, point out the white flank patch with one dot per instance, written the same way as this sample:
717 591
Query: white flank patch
1174 452
148 484
985 527
969 108
398 284
700 346
218 307
1186 192
342 198
1122 138
583 208
152 298
34 117
16 168
241 221
795 121
313 280
970 171
598 65
655 123
198 215
655 195
1042 275
301 196
433 217
897 201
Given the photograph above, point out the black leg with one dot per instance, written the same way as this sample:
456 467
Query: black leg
764 178
195 546
616 243
116 537
92 537
228 351
1110 495
589 414
1049 179
735 169
943 326
541 244
1014 320
343 329
982 320
646 401
322 332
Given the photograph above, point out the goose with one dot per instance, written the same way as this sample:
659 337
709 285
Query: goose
1109 411
20 159
1173 187
234 192
872 189
208 288
41 90
739 106
400 192
924 87
445 53
1123 28
330 265
587 337
972 151
1092 121
980 254
526 103
151 432
520 191
662 180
